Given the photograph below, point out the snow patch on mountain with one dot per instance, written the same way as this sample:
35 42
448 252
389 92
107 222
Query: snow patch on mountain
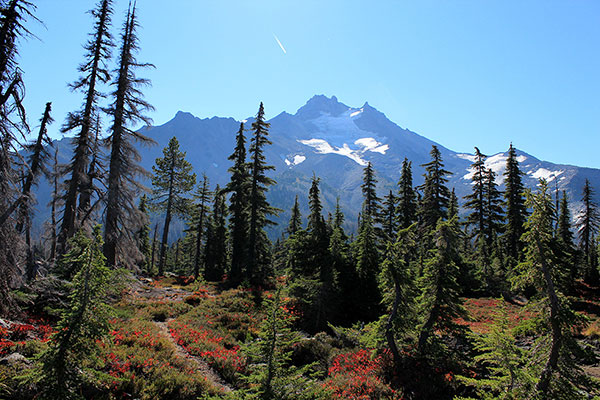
297 159
370 144
365 144
497 163
357 112
543 173
323 147
468 157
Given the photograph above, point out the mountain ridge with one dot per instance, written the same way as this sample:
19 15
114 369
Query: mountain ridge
335 141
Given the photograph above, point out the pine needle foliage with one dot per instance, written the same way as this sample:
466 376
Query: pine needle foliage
516 211
260 210
436 195
439 302
238 187
272 375
172 180
560 377
94 73
128 107
65 366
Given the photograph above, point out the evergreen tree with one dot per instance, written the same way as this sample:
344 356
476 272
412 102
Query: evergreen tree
272 375
172 180
436 195
439 302
197 223
453 205
338 216
215 256
407 206
238 187
476 200
367 268
587 226
94 72
398 283
259 208
143 236
122 216
389 217
316 224
62 368
295 219
54 201
543 268
13 126
371 201
565 236
494 215
319 244
37 160
564 232
90 188
343 270
516 212
504 360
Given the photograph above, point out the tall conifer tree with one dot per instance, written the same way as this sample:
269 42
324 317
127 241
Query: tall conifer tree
476 200
295 219
407 205
453 205
516 211
238 187
389 216
216 239
37 164
436 195
544 268
172 180
198 221
259 208
143 235
94 72
587 226
370 200
440 302
122 216
13 126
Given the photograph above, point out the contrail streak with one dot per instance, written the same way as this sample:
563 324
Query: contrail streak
280 45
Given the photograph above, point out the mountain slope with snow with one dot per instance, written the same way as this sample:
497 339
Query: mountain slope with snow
334 141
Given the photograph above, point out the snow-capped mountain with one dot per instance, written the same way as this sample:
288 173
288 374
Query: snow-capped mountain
334 141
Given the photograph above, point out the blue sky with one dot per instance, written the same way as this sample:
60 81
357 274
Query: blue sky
462 73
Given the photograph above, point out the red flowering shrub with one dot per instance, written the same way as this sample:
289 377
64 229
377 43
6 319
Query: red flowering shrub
140 363
19 334
203 342
195 298
356 376
484 311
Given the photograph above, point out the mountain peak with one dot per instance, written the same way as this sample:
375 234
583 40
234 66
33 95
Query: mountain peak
321 104
184 114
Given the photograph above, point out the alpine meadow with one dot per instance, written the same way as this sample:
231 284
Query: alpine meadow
299 251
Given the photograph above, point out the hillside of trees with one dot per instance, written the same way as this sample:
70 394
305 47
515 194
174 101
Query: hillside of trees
498 301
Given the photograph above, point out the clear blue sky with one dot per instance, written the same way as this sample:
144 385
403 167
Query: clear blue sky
462 73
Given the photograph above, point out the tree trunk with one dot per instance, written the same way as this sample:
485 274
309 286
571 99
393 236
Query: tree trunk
544 381
151 268
36 165
199 242
389 334
80 160
165 237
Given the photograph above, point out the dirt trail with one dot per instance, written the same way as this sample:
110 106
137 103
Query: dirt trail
200 364
154 293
